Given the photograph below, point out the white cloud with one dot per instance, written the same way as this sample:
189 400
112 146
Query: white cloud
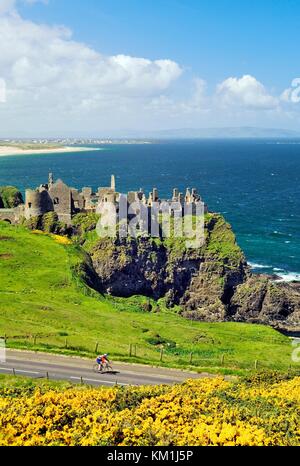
197 102
245 92
6 6
236 95
2 91
45 69
58 84
9 6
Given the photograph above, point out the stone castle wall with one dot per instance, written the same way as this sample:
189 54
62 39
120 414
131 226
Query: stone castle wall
66 202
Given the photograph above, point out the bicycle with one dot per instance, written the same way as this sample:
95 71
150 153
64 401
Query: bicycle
104 368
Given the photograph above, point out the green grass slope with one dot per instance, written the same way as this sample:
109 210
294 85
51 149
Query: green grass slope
45 305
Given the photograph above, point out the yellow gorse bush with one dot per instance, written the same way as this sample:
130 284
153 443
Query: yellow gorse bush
61 240
199 412
57 238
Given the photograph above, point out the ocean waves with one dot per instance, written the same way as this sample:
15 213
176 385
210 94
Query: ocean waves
283 275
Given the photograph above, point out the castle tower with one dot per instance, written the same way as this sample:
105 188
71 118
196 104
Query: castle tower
155 195
36 203
50 180
113 182
175 194
150 199
188 195
195 196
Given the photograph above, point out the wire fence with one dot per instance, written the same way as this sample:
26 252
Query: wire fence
139 353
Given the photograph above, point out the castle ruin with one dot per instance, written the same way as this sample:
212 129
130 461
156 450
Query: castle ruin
66 202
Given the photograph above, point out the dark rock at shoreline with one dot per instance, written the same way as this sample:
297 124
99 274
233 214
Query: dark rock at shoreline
264 301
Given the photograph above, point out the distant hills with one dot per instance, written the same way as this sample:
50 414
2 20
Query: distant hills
222 133
231 132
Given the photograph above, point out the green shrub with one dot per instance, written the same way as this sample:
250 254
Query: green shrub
10 197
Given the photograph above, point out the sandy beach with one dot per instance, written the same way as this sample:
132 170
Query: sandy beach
6 151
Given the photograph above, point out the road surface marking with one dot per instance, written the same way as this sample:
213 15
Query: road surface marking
98 381
19 370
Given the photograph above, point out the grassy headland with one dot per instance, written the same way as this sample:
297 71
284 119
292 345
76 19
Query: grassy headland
46 305
30 145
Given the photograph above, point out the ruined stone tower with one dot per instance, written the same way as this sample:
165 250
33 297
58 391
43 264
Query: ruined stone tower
61 196
50 180
113 183
37 203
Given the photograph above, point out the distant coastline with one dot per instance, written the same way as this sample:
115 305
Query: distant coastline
6 151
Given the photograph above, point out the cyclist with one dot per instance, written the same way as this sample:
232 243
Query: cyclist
98 361
102 360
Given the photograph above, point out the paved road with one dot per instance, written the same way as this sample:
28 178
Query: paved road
38 365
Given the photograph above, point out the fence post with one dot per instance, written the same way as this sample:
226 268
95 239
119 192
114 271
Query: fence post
66 343
34 340
161 354
130 350
222 359
14 372
135 350
191 358
81 380
47 375
96 348
255 364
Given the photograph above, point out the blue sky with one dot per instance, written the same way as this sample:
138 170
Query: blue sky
236 59
214 38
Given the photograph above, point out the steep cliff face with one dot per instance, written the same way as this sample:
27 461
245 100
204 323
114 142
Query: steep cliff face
201 280
211 283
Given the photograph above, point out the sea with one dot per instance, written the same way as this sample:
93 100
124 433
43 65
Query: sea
255 184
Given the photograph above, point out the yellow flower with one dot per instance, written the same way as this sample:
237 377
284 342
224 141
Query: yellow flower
198 412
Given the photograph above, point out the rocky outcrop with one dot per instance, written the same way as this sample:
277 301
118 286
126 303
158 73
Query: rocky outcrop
201 280
211 283
262 300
